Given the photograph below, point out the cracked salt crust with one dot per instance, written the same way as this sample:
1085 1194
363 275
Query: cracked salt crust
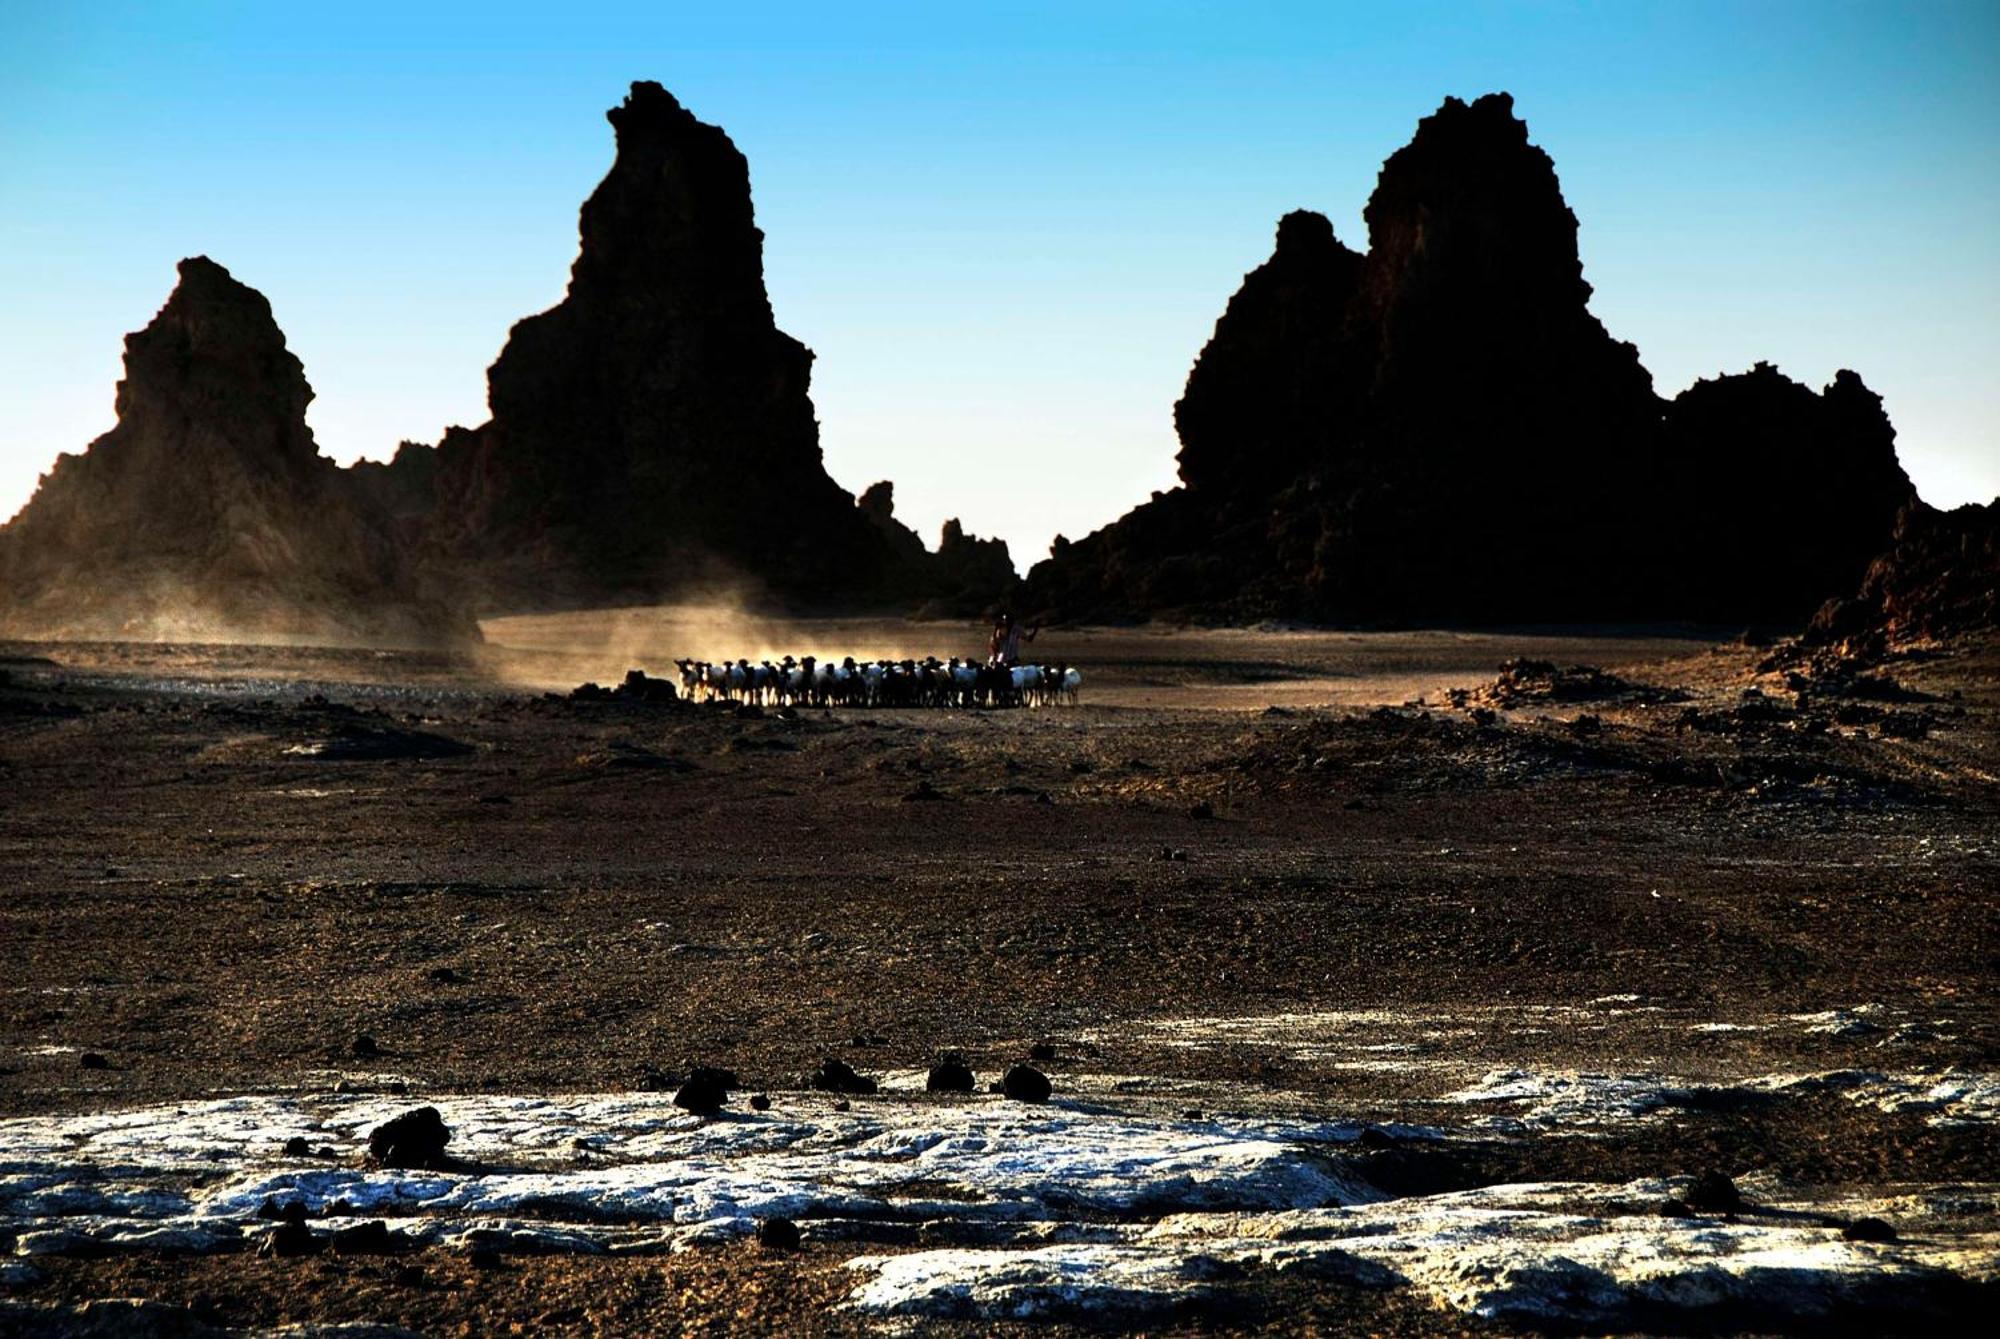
200 1172
1568 1252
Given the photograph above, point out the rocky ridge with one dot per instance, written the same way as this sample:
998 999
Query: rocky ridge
1441 430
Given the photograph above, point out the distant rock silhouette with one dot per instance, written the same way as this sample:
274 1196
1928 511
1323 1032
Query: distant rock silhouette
1441 430
208 512
1939 580
652 433
964 578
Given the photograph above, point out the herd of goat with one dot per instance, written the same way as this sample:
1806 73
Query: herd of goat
930 682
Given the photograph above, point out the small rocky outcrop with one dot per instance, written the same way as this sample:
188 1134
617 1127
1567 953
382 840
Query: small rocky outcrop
1441 430
1938 581
207 512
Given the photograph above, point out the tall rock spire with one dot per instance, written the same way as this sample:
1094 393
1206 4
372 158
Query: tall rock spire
653 429
207 511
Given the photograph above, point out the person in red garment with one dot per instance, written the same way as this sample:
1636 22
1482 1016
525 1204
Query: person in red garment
1005 646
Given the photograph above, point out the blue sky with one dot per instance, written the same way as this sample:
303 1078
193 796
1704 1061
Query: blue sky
1006 231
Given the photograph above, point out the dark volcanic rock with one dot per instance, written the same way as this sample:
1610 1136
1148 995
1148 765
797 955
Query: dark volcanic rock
290 1240
1442 430
949 1075
1714 1192
1939 579
414 1139
837 1076
1025 1083
208 513
652 432
1784 495
706 1090
778 1234
1272 389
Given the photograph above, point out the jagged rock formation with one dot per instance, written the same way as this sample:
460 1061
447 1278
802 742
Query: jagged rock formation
652 432
966 577
1441 430
208 513
1939 580
1774 497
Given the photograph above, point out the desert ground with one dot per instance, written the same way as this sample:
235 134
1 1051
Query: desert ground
1378 992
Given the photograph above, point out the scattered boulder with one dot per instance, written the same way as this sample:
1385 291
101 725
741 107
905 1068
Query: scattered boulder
1713 1192
837 1076
92 1060
778 1234
705 1091
415 1139
370 1238
1025 1083
364 1048
950 1075
290 1240
298 1147
760 1102
1868 1229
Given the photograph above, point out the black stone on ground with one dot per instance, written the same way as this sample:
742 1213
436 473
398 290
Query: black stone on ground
290 1240
1025 1083
370 1238
297 1147
92 1060
1868 1229
778 1234
949 1075
706 1089
1713 1192
760 1103
837 1076
414 1139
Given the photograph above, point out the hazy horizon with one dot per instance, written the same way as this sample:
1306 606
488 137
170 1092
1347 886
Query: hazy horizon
1006 239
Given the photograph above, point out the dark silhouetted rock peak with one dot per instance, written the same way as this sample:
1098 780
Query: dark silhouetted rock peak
1443 431
1264 396
653 430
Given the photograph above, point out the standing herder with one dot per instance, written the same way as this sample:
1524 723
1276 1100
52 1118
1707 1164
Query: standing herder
1005 646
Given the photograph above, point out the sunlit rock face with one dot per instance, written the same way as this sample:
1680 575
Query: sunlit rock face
1441 429
208 512
653 431
1940 579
